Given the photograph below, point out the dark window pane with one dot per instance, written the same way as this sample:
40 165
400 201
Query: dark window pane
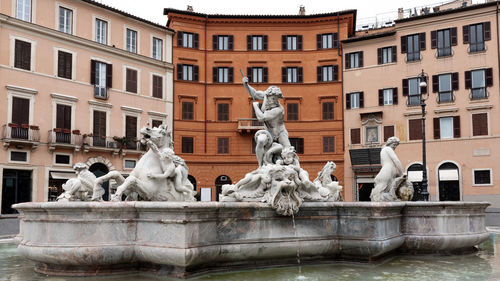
62 159
292 111
187 111
298 143
482 177
187 144
223 145
328 111
328 144
18 156
223 112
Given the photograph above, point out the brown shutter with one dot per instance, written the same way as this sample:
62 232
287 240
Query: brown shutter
131 127
109 75
22 55
68 65
360 58
348 101
99 123
231 75
335 40
421 39
131 80
60 64
456 126
335 73
403 44
20 110
283 74
435 83
394 54
355 136
405 87
179 38
347 61
489 76
468 80
299 74
487 30
394 95
157 86
415 129
249 42
299 42
388 132
264 73
215 74
18 54
361 100
283 42
26 56
264 42
480 124
379 56
196 40
231 42
328 113
319 73
453 35
92 71
319 44
437 128
215 42
249 74
63 116
433 39
381 97
454 81
179 71
465 32
195 73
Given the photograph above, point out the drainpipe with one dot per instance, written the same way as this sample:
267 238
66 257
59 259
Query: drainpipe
205 98
173 88
498 44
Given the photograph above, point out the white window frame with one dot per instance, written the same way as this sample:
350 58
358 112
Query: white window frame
99 106
388 96
32 12
163 90
73 63
28 154
129 159
222 42
354 60
133 112
18 92
188 37
154 48
354 101
441 120
126 41
257 74
410 95
292 42
327 41
387 55
61 164
482 184
327 73
13 39
58 19
108 28
188 72
63 100
153 115
124 82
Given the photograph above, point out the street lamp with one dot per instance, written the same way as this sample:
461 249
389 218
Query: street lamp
424 193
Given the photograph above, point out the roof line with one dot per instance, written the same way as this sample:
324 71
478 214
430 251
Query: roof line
369 36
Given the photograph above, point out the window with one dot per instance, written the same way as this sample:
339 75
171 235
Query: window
327 41
257 74
447 127
64 64
101 31
18 156
223 42
415 129
222 145
386 55
291 74
328 144
298 144
388 132
482 177
291 42
222 74
99 132
411 89
388 96
20 116
131 40
65 20
131 80
411 45
157 48
63 123
356 136
256 42
22 55
292 111
156 123
480 124
328 73
477 81
476 34
327 108
100 77
353 60
129 164
444 85
443 40
157 86
187 39
62 159
131 132
223 112
187 72
354 100
187 144
187 110
23 10
371 135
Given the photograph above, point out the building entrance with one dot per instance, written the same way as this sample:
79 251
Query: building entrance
16 188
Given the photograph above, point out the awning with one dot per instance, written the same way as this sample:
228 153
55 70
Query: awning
415 176
448 175
62 175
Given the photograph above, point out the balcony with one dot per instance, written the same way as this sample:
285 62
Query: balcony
365 159
64 138
114 145
249 125
20 135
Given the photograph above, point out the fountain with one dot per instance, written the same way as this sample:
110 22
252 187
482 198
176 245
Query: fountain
169 234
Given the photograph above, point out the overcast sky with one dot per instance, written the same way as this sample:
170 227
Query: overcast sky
367 9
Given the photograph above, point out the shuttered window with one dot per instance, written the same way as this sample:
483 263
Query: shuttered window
20 110
222 74
328 144
187 144
292 111
157 86
257 74
131 80
187 72
187 111
446 127
188 39
327 41
356 136
63 117
328 113
64 64
222 42
257 42
99 128
298 144
386 55
131 131
328 73
223 112
411 45
475 35
101 76
480 124
415 129
291 75
291 42
156 123
222 145
353 60
22 55
388 132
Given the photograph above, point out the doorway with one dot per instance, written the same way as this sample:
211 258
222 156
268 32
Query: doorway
16 188
219 182
99 169
365 190
449 183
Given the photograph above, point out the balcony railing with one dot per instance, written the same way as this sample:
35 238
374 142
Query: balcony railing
249 124
64 138
20 134
114 144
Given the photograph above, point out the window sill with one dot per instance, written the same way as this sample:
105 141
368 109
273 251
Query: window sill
387 63
477 52
483 185
479 100
414 61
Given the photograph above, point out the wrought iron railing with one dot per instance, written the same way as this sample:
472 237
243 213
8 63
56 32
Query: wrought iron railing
21 132
64 136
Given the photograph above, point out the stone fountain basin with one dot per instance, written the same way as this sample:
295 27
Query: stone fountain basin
179 238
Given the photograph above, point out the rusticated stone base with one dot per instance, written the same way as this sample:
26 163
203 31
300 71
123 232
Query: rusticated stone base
179 239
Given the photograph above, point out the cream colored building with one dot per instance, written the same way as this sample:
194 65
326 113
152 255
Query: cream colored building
458 49
78 80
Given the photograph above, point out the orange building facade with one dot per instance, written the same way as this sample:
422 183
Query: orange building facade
213 124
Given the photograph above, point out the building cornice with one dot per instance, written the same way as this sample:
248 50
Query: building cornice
131 109
21 89
101 104
64 97
42 30
158 114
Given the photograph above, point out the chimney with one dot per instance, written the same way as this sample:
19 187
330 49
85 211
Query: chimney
302 10
189 8
400 13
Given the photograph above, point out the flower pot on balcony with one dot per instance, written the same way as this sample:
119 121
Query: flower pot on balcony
66 131
34 127
58 130
13 125
76 132
25 126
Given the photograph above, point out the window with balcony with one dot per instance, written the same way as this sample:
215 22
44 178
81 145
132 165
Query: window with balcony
328 73
65 20
327 41
99 129
444 85
353 60
388 96
187 144
477 81
475 35
256 42
131 132
157 86
411 45
22 55
188 39
19 126
222 74
222 42
187 72
292 111
157 48
187 110
386 55
222 145
63 123
257 74
447 127
328 144
412 90
442 40
131 80
291 42
291 74
101 31
131 40
327 110
101 77
354 100
23 10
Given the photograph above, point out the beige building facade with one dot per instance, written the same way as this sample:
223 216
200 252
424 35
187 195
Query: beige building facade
78 80
458 50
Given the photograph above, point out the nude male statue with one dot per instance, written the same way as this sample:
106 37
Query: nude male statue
273 116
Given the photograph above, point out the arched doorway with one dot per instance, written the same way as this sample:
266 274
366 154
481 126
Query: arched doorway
193 182
219 182
449 183
99 169
414 173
